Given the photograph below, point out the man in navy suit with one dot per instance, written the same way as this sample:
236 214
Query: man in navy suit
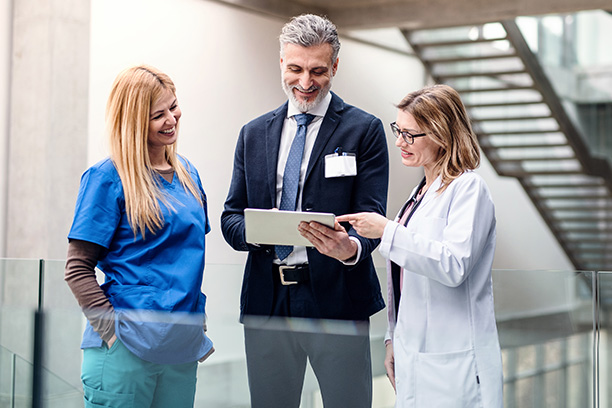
343 169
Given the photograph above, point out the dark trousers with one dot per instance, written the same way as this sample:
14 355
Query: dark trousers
278 348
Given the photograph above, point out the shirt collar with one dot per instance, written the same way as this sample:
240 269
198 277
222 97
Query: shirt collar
318 110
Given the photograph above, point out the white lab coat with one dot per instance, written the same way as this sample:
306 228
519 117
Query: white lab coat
445 341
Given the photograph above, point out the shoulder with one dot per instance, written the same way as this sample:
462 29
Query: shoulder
471 184
191 170
472 178
350 111
186 163
262 120
103 171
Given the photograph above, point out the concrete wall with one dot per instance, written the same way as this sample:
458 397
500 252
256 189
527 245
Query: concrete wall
46 123
6 28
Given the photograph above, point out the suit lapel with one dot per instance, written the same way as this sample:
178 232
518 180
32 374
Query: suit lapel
331 120
274 128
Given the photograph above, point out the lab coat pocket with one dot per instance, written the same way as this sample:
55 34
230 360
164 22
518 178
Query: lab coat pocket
447 380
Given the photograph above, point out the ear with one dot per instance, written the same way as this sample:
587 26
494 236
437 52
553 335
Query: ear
335 67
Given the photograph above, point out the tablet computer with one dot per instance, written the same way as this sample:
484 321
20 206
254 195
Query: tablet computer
278 227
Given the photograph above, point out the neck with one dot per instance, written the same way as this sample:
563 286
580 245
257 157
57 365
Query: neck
158 159
430 177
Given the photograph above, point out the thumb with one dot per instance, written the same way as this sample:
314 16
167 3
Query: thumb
338 227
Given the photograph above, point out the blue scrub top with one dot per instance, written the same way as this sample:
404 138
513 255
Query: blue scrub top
146 279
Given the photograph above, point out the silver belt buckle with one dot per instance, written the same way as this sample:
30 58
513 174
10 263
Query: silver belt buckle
281 270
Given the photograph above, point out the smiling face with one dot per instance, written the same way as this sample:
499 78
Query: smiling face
307 74
423 152
165 114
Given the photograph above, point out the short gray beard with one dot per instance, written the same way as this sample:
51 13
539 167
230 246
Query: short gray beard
305 106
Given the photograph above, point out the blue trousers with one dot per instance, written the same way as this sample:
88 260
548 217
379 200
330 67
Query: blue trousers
117 378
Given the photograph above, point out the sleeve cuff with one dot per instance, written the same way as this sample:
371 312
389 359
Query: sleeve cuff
353 261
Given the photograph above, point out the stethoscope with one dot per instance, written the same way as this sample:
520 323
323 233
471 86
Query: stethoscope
395 269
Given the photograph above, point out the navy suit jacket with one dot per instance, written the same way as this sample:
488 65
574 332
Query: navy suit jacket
340 291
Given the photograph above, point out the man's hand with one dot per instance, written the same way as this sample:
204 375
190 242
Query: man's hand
334 242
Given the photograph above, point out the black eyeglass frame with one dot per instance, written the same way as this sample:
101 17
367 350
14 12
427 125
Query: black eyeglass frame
407 136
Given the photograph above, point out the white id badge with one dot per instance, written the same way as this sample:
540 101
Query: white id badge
340 165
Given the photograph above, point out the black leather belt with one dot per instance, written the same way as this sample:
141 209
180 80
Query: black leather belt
294 274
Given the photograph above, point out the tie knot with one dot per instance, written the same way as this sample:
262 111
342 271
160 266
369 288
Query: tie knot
304 119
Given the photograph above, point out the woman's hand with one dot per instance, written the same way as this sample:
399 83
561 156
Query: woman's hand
368 225
212 350
112 340
390 363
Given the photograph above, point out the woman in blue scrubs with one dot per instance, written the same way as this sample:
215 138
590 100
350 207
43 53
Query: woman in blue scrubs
141 218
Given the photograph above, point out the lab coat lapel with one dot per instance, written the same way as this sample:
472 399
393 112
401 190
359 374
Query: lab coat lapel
274 127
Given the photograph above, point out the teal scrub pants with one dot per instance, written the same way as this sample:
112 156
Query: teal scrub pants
117 378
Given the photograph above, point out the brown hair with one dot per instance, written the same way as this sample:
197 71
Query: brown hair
439 111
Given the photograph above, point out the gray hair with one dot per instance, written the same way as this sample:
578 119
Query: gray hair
310 30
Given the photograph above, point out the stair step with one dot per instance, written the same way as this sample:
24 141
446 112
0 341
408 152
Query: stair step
484 144
467 41
517 132
448 60
571 197
525 173
494 89
480 74
521 118
495 104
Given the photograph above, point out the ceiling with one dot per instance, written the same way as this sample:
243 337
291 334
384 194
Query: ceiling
414 14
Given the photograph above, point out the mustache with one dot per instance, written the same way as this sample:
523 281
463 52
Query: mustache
311 89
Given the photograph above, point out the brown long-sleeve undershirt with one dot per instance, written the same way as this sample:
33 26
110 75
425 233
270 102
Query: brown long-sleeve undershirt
80 275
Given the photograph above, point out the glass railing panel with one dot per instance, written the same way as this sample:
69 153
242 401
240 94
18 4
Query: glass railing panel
604 338
15 380
63 327
19 297
545 327
545 323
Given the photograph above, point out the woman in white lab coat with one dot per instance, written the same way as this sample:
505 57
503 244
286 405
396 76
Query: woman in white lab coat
442 343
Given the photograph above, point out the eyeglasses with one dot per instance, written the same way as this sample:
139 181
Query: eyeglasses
407 136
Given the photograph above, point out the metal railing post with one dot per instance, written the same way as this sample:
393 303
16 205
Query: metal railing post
37 377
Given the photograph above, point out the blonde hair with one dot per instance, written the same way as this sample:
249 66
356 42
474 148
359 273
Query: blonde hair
127 120
439 111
